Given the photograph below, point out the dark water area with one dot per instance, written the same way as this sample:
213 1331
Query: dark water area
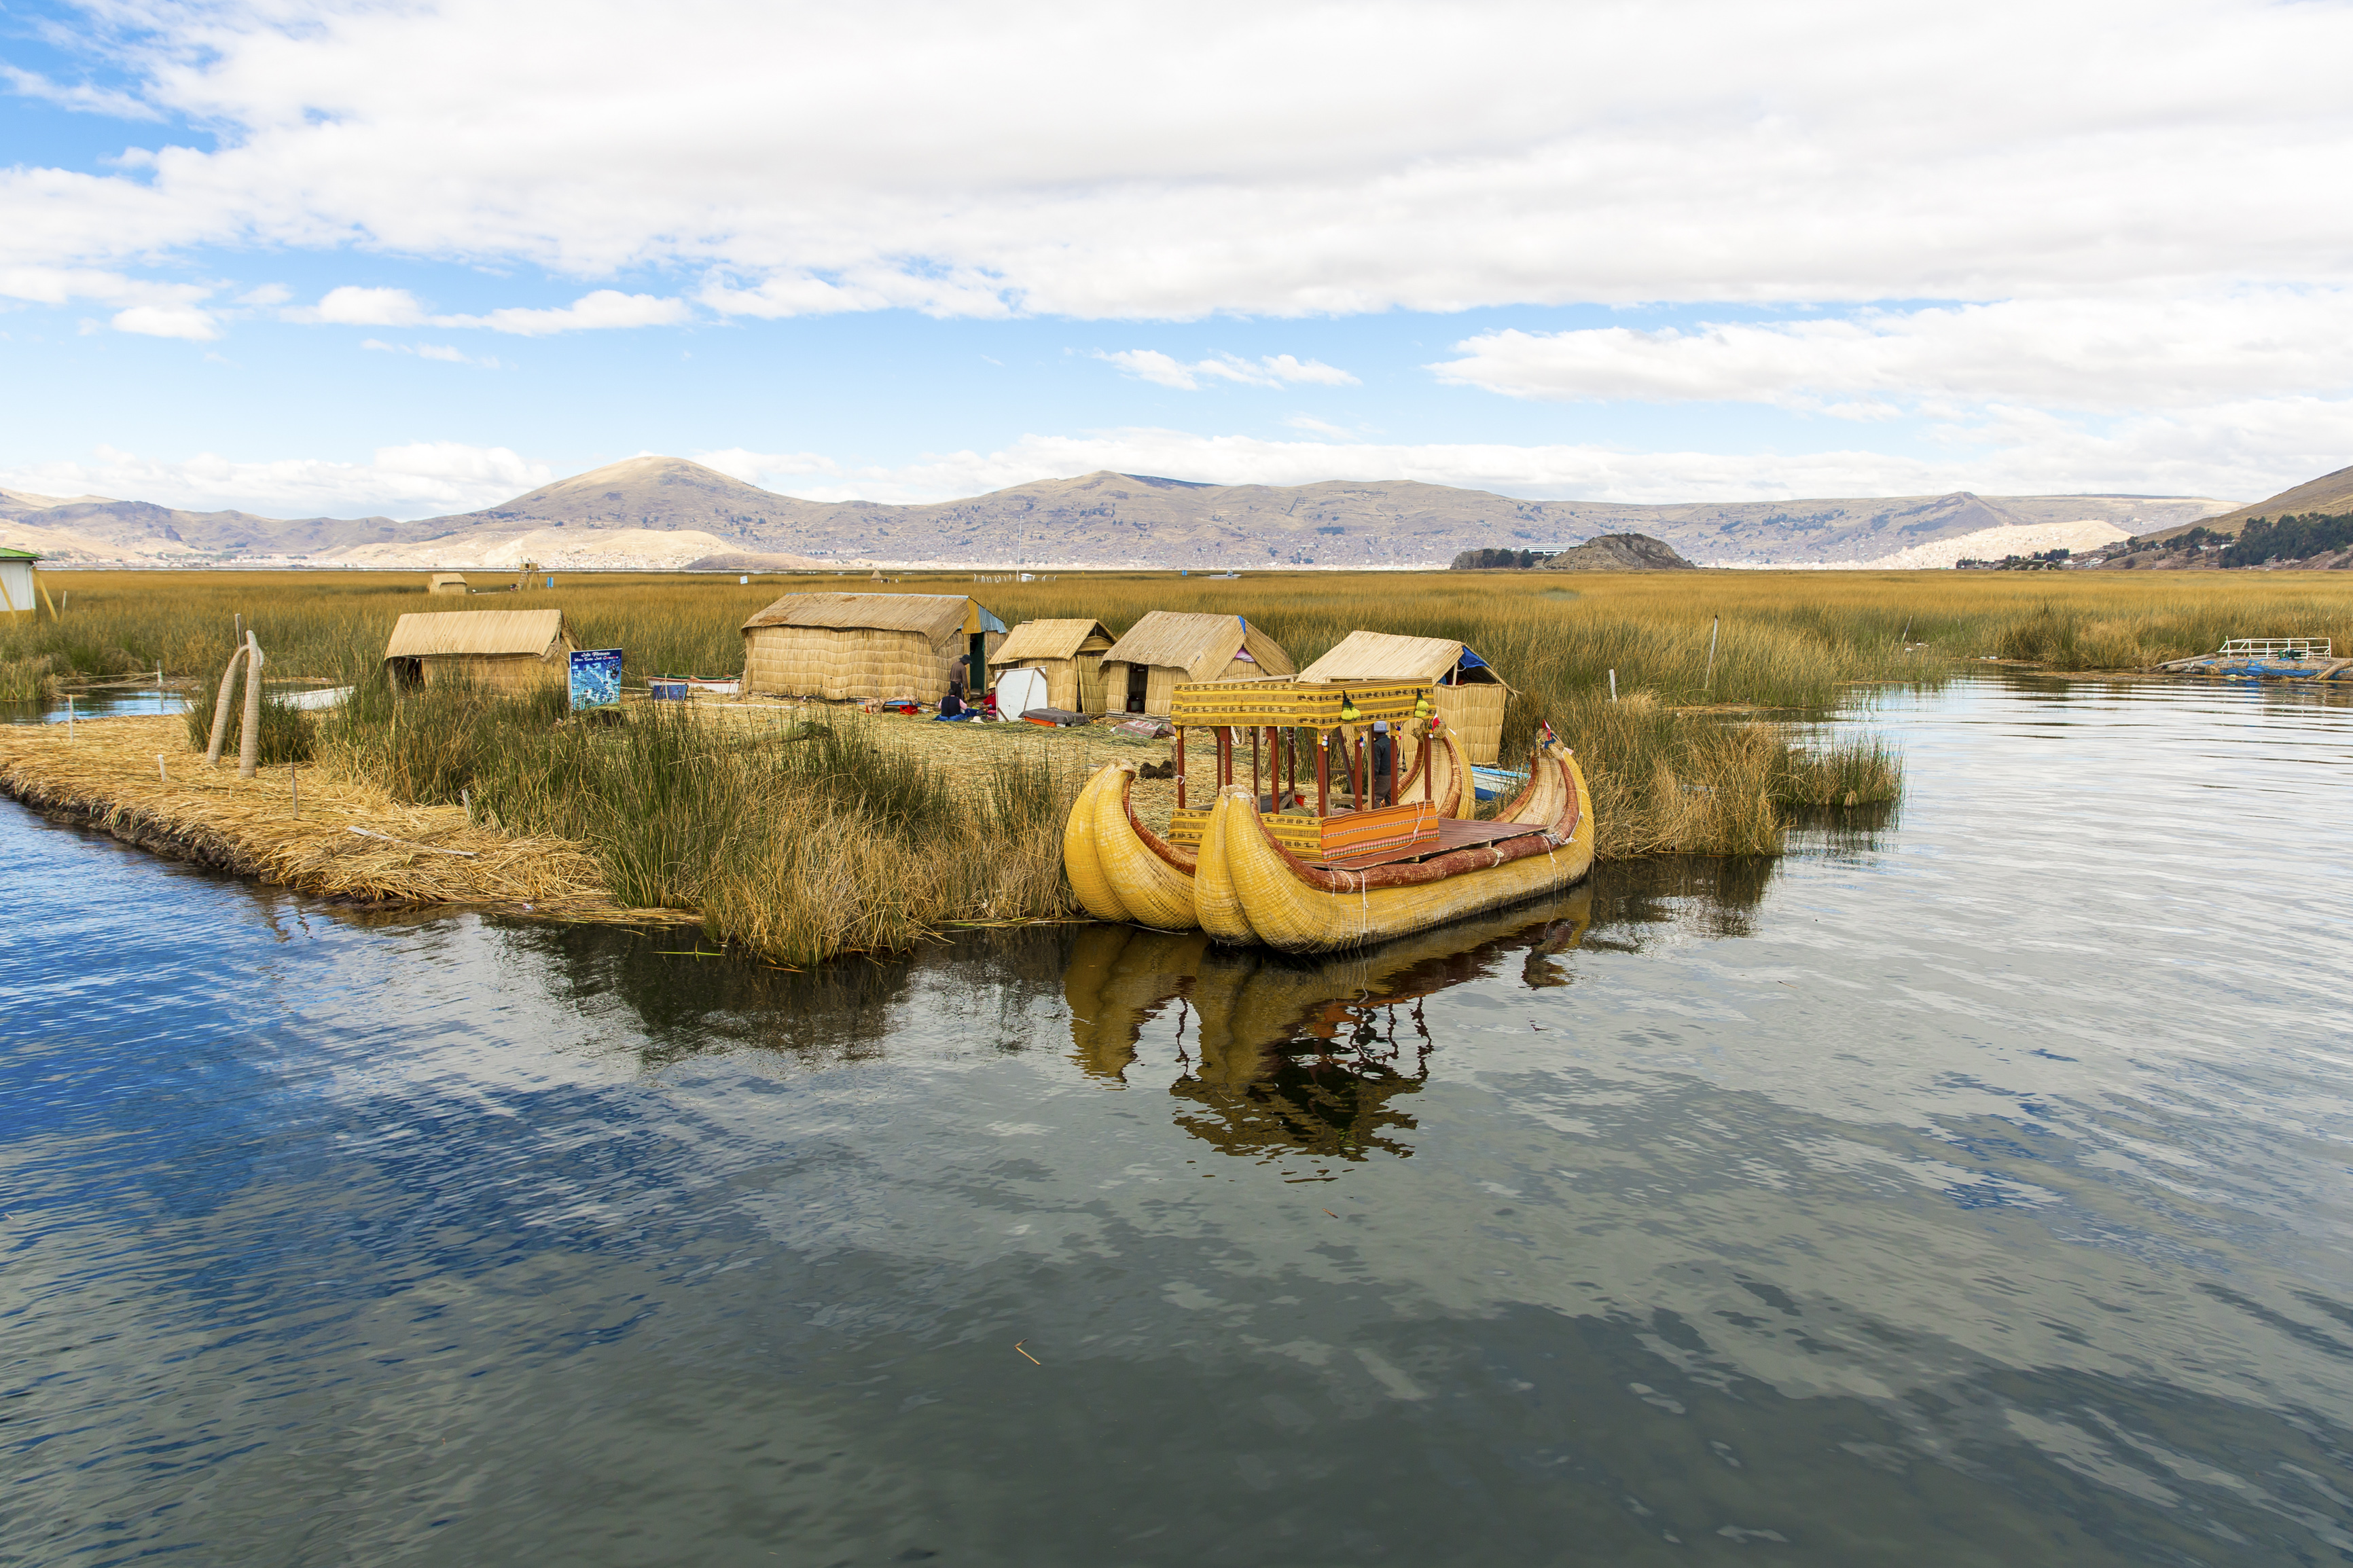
1967 1187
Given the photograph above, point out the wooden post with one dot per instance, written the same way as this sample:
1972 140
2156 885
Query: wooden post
1322 777
1254 789
248 748
44 587
220 710
1180 767
1712 628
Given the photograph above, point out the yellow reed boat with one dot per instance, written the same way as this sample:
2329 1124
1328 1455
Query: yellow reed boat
1262 866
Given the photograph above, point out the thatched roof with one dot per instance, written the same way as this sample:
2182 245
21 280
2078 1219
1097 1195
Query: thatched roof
440 579
1378 655
477 632
1049 639
1200 644
930 616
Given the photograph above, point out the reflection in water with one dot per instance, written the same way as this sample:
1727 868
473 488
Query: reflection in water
1277 1052
1972 1195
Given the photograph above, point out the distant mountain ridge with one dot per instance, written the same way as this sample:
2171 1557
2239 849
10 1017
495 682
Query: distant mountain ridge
658 512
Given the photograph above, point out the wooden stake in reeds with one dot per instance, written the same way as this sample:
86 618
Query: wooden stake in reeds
294 779
220 710
1714 626
160 774
70 735
249 750
1613 685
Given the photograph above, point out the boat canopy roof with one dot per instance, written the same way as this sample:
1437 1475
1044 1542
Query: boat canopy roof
1292 704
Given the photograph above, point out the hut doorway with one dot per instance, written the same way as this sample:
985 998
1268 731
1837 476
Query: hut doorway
1139 678
975 681
407 674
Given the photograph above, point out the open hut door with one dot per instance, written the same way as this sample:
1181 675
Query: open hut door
975 681
1139 682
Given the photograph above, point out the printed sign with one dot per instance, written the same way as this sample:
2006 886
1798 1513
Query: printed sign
595 678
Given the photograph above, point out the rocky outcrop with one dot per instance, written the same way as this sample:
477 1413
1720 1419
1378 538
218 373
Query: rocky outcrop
1620 552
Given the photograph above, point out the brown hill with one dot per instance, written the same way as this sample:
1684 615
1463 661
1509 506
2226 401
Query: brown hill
1620 552
2330 493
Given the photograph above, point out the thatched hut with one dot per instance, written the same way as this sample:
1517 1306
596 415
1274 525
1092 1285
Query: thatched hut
1069 653
504 651
1142 671
1470 696
849 645
445 582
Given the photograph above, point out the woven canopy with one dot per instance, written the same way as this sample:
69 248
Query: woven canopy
475 632
929 616
1049 639
1378 655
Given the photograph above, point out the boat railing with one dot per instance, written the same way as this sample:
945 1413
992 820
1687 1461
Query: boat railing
2276 647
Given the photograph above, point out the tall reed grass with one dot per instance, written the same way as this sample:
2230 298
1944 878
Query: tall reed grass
797 845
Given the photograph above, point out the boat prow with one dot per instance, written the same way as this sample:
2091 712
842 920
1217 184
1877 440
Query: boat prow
1121 869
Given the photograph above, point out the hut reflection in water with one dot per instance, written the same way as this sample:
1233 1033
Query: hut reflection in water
1278 1056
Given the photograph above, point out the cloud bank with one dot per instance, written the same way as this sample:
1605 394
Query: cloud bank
1268 160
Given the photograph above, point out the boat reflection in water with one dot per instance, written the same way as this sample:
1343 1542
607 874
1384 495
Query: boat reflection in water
1278 1054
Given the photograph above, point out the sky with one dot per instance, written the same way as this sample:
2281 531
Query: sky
412 259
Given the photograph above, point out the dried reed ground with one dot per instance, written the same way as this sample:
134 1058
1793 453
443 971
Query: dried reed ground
105 775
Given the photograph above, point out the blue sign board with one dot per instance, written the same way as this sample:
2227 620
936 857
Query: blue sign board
595 678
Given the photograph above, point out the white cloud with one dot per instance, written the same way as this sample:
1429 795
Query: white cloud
2236 452
421 478
1257 160
148 309
1271 369
268 294
351 306
606 308
2103 355
766 468
79 96
444 352
168 321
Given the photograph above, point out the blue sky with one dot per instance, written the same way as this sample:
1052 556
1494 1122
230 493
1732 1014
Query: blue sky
414 259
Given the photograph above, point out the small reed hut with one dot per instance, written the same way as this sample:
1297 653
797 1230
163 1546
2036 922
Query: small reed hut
1069 653
502 651
20 583
843 647
1469 695
445 582
1143 670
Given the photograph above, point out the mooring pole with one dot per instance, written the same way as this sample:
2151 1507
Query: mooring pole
248 745
1613 686
220 709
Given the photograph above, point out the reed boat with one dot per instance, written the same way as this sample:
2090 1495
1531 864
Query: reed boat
1401 853
1124 872
1251 888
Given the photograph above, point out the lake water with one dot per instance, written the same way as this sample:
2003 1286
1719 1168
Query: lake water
1967 1188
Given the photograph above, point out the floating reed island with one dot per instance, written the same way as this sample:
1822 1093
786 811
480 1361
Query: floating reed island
794 826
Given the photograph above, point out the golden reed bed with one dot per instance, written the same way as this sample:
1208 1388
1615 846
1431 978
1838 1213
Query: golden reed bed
105 775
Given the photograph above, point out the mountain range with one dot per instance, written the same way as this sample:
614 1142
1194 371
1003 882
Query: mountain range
666 512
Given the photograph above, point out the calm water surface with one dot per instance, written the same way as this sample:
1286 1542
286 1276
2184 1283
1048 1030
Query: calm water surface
1966 1188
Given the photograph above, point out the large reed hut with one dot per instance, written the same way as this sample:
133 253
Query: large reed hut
503 650
1069 653
1470 696
446 583
849 645
1142 671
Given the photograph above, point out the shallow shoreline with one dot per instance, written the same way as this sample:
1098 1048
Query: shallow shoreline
350 843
